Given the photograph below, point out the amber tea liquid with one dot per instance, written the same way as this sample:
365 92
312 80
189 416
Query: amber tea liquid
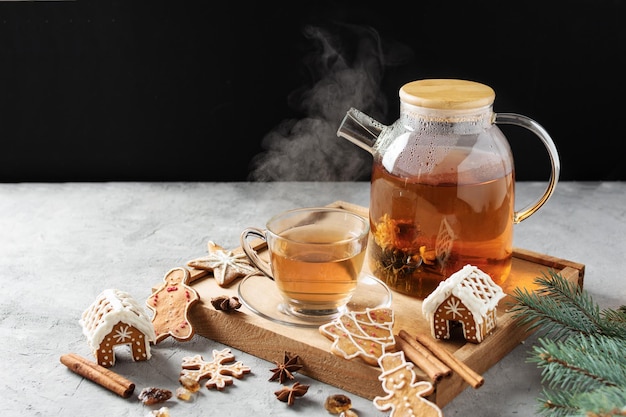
314 270
426 228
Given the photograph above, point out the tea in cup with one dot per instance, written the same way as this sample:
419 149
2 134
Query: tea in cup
315 258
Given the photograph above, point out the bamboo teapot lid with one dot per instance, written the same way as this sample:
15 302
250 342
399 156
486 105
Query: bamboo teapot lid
447 94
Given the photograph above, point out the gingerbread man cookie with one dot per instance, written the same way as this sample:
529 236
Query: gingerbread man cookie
367 334
405 395
170 304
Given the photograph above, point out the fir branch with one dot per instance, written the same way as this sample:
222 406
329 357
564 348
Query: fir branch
557 404
559 307
584 364
603 402
609 401
616 317
581 362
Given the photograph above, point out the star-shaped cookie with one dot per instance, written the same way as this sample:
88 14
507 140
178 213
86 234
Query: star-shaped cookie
225 264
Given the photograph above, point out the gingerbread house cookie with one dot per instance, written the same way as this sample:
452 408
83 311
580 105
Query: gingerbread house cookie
469 297
114 319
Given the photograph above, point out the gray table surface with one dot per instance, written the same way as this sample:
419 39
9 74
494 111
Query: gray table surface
62 244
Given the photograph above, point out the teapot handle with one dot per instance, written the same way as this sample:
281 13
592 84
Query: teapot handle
537 129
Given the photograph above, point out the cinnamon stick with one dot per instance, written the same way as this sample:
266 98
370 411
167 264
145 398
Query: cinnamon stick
420 360
98 374
442 367
468 374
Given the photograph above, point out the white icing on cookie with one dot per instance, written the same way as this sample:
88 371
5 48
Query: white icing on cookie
111 307
366 334
468 296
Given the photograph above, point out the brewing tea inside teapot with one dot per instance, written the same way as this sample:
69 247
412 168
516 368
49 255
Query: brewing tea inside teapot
443 185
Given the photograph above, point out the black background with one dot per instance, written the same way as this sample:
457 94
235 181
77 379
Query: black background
169 91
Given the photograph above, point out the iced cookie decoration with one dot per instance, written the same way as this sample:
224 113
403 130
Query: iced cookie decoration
405 395
366 334
468 297
219 372
170 304
115 319
226 265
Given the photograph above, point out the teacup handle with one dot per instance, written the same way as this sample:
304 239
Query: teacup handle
251 252
537 129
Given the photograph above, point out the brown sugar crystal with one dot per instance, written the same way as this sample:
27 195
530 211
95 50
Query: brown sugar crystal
152 395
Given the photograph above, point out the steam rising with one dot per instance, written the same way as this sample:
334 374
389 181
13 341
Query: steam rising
308 149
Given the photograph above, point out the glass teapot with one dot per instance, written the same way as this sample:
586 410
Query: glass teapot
443 185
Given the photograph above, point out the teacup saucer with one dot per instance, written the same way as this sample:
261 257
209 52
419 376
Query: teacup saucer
261 296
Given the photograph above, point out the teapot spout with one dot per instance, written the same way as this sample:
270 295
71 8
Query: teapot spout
360 129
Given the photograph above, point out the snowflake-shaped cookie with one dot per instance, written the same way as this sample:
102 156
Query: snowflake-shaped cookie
218 371
225 264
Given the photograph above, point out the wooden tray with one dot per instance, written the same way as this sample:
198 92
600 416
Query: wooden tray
248 332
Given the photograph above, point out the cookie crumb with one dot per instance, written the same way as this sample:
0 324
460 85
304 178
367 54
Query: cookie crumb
161 412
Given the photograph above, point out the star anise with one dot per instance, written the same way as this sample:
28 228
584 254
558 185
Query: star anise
289 394
286 369
225 303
